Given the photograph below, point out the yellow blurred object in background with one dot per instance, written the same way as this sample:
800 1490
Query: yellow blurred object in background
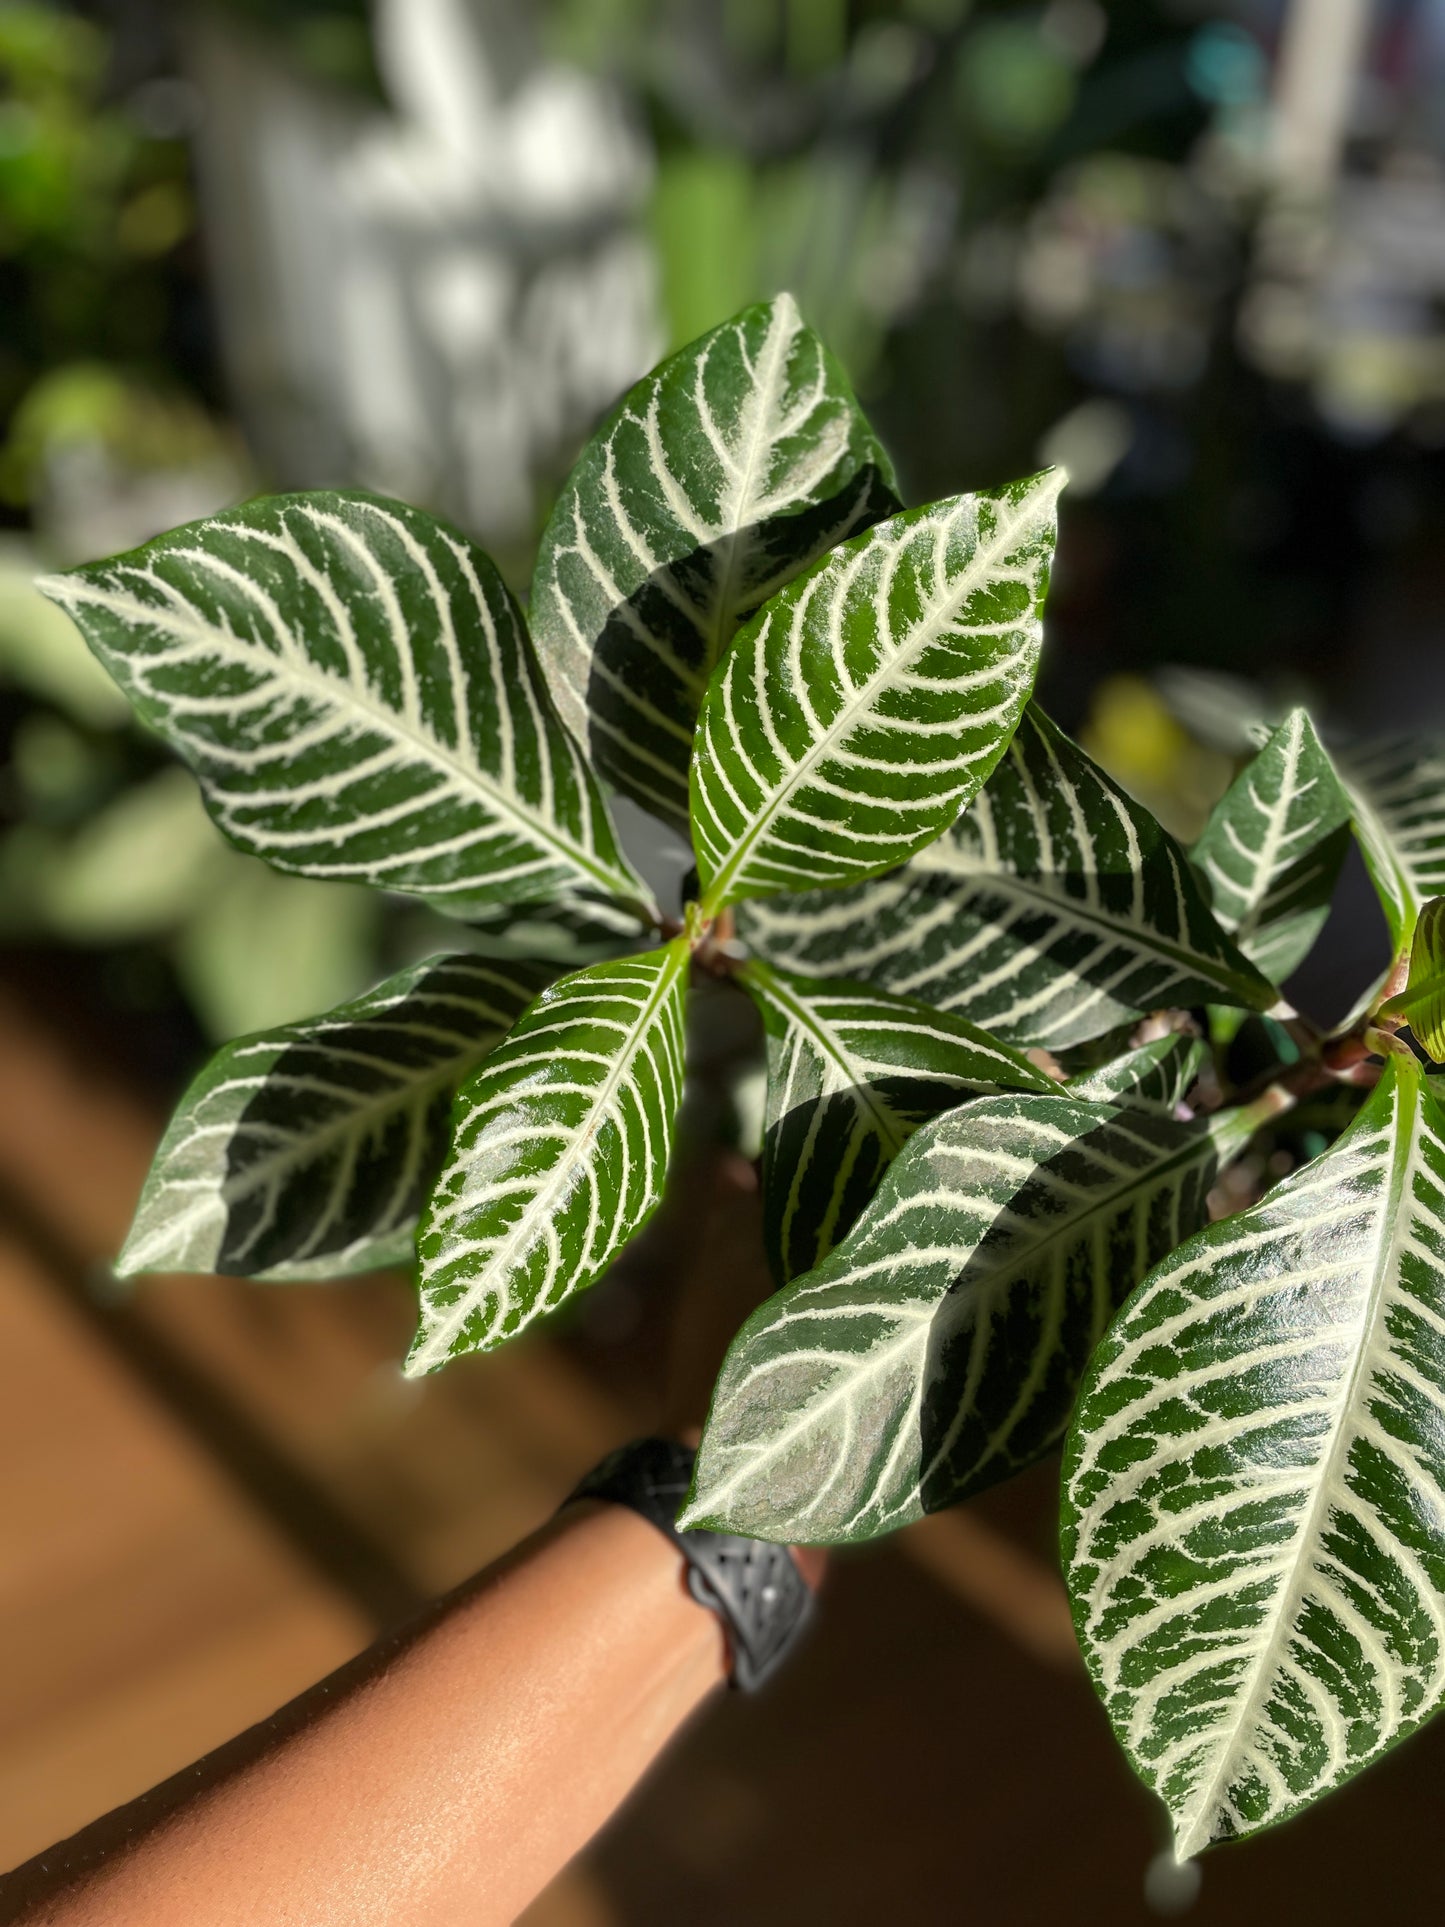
1129 730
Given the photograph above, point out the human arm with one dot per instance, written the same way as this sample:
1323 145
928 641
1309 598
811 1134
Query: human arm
442 1777
449 1772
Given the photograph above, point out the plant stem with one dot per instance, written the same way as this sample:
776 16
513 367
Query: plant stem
1393 985
1272 1102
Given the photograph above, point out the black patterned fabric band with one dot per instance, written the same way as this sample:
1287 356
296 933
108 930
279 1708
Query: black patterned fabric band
755 1588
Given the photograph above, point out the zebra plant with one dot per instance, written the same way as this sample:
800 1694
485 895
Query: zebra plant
996 999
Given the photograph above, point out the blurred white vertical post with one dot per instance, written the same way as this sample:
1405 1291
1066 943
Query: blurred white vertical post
439 298
1319 58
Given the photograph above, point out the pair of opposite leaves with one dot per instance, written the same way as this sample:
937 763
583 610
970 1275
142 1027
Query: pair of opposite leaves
356 690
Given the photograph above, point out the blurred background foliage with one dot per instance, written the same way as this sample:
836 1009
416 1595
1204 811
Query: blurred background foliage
1194 250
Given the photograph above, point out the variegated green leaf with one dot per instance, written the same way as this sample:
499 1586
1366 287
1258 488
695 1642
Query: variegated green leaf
1397 792
867 702
721 475
1272 849
559 1147
938 1348
1156 1076
306 1151
352 683
852 1073
1254 1524
1055 909
1422 1002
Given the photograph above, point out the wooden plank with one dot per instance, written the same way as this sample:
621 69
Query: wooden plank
145 1614
447 1472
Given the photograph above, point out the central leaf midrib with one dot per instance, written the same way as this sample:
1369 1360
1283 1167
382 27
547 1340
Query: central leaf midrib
1276 824
776 348
863 699
388 722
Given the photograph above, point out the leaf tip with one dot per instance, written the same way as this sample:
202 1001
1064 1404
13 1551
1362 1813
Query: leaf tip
1192 1836
698 1515
1044 486
1037 493
57 587
417 1364
144 1255
695 1513
785 307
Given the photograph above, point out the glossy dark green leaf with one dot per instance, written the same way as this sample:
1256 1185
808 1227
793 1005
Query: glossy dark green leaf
938 1348
721 475
1272 849
559 1147
306 1151
1254 1522
1397 794
1055 909
866 704
351 682
1156 1076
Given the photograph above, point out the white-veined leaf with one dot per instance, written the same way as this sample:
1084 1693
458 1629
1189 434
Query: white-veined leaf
352 683
852 1073
1397 792
720 476
559 1147
1254 1523
1055 909
868 701
306 1151
1272 849
1156 1076
938 1348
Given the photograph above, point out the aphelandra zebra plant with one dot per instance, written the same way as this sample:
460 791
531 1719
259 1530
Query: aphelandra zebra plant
918 879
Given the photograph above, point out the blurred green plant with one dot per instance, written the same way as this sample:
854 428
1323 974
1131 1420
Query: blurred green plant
847 149
104 844
87 406
1037 233
95 199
